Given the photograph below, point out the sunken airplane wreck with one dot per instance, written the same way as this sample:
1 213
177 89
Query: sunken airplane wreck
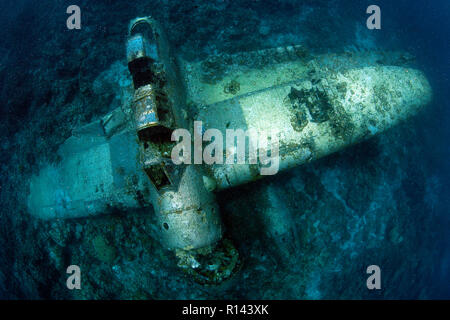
318 104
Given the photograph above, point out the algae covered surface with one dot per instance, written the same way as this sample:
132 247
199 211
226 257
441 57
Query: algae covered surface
306 233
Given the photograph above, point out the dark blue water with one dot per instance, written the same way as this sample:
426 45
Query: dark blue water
424 28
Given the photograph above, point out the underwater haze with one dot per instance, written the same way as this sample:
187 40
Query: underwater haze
306 233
